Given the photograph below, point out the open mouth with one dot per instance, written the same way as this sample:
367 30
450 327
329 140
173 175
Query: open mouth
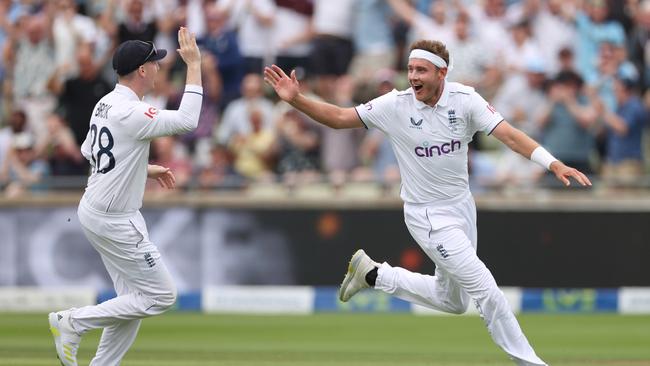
417 88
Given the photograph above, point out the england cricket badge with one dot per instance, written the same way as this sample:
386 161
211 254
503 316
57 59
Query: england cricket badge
456 125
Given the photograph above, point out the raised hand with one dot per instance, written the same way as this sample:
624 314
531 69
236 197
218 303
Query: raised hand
188 50
286 87
563 172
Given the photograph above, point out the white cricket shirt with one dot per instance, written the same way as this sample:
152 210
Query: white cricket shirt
117 145
430 143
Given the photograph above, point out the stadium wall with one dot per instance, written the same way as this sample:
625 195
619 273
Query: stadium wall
310 246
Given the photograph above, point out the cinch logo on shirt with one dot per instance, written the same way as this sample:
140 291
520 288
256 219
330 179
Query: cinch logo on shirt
437 150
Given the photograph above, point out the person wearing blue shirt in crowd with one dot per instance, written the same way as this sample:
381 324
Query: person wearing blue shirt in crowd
222 43
624 131
567 121
594 28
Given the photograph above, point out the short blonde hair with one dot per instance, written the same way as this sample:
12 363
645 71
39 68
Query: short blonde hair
436 47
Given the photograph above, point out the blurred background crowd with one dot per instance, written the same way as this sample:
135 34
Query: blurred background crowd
573 74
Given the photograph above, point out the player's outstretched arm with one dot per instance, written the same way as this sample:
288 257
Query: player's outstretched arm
186 118
288 89
163 175
521 143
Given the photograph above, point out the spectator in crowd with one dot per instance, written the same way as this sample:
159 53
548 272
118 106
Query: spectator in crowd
520 47
70 30
568 122
298 147
254 20
235 116
611 62
192 13
223 45
553 31
488 18
135 26
10 12
512 169
488 39
524 112
5 142
16 123
255 150
292 34
60 149
624 131
434 25
219 172
5 28
332 43
594 28
22 170
375 150
471 65
565 61
79 94
639 43
373 39
31 53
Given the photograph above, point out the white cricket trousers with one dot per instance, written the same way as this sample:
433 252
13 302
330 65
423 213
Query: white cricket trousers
447 233
142 282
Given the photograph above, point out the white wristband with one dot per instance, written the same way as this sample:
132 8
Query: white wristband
542 157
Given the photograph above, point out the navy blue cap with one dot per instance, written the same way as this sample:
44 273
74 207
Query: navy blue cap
131 54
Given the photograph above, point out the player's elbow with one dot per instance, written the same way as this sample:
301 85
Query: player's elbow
343 119
166 299
190 122
458 309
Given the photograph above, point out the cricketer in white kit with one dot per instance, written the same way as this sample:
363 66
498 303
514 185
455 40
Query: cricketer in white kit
117 147
429 126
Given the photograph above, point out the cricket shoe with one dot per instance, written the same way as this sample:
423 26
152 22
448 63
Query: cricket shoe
355 279
66 338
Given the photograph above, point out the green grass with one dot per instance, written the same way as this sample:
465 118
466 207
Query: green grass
342 339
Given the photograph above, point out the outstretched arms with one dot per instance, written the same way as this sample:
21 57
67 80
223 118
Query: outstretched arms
288 89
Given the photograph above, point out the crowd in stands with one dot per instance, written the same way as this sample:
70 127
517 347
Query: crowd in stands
573 74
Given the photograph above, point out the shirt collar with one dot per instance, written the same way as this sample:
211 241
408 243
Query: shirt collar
444 98
126 91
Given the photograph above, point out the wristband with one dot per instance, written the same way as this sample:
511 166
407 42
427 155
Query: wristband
542 157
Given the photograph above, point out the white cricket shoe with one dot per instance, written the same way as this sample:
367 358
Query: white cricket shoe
355 279
66 338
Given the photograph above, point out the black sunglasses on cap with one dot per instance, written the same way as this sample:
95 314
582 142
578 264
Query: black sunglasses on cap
132 54
151 53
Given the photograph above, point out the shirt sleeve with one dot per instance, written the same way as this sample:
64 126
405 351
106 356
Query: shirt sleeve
145 122
482 116
378 112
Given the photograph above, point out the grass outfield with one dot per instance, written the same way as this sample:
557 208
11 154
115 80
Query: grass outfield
190 339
